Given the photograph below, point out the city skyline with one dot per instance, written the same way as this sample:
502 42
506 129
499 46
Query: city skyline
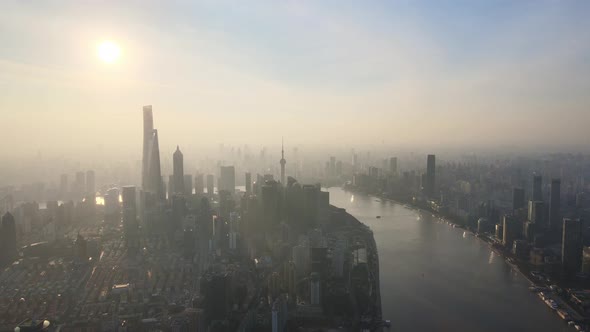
303 252
295 165
397 74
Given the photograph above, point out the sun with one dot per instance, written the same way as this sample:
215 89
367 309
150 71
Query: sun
109 51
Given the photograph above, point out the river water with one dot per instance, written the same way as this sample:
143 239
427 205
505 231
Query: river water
438 278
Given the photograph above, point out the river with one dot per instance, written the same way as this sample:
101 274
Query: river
438 278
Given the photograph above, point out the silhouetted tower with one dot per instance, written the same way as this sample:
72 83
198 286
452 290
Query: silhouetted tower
537 188
248 182
148 128
571 246
517 198
227 179
154 177
130 223
283 162
199 184
555 204
210 184
8 251
178 174
393 166
430 175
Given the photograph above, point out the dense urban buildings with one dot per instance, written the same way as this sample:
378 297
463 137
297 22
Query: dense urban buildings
193 260
433 172
269 245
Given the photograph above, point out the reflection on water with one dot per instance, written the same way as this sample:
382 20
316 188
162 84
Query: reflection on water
464 287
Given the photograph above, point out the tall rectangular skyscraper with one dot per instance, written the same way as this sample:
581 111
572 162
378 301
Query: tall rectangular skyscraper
248 182
430 175
199 184
170 186
130 223
510 230
571 246
210 184
537 188
517 198
188 184
537 213
555 204
227 180
393 165
8 247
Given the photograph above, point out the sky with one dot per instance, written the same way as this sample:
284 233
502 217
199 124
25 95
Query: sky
413 73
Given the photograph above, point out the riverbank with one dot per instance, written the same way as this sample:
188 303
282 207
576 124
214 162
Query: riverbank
532 277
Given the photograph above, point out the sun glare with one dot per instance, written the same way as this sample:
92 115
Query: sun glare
108 51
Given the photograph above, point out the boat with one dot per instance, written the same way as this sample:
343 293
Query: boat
551 304
564 315
378 217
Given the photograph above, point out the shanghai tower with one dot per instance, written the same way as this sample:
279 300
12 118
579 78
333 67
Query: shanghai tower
151 175
148 129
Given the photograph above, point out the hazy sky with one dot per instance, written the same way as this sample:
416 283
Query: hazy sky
409 73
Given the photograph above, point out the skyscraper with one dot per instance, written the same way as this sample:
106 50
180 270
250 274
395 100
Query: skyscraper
130 224
178 176
199 184
430 176
393 165
154 176
283 162
555 204
151 176
537 213
537 188
148 128
227 179
517 198
510 230
8 249
571 246
270 203
188 184
170 186
310 208
210 184
248 182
